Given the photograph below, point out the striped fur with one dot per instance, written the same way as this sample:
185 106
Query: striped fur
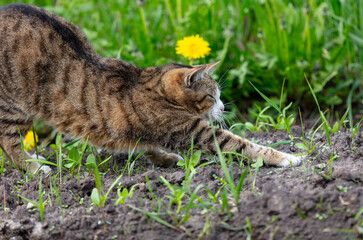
49 70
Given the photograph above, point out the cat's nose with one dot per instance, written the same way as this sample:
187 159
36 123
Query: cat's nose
222 108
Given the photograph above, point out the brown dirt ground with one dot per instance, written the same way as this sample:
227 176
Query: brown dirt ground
327 206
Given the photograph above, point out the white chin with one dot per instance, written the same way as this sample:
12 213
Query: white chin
214 117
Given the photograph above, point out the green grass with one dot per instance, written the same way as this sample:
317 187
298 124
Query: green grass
265 42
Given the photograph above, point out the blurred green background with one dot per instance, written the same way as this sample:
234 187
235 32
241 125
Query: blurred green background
261 41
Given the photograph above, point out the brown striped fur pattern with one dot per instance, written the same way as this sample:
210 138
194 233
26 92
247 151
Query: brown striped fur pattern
49 70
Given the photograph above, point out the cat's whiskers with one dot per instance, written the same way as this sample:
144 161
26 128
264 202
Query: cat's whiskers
223 80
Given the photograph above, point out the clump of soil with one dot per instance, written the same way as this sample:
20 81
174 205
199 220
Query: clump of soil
313 201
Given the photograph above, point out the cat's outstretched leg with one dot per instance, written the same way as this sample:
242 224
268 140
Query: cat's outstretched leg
204 137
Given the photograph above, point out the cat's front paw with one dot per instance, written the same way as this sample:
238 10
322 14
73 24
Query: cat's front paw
164 159
169 160
290 160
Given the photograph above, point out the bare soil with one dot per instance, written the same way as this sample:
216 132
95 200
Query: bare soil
287 203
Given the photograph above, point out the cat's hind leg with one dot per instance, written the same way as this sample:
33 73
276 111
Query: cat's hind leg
14 122
10 139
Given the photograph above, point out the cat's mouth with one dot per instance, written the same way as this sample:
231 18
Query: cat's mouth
215 113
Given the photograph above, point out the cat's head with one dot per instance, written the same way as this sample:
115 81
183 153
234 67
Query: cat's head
194 89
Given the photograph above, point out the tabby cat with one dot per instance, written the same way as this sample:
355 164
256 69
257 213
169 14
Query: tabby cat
49 70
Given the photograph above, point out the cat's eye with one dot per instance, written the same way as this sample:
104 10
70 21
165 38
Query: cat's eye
212 97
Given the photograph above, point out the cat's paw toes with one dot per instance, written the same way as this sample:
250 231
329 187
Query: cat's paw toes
290 160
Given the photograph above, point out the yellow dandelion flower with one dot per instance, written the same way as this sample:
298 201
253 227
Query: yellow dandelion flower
193 47
28 141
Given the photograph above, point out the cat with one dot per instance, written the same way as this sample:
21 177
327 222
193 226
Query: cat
49 70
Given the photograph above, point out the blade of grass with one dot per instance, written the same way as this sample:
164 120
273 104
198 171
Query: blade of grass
267 99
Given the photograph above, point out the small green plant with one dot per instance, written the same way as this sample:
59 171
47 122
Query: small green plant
330 162
124 194
41 204
176 197
235 190
190 161
207 228
328 129
178 194
54 190
155 216
306 145
342 189
256 166
248 228
298 210
98 196
321 216
130 165
355 130
214 196
260 122
74 158
283 122
2 162
181 201
359 220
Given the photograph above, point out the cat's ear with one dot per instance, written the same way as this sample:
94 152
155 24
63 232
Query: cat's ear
211 67
194 74
198 72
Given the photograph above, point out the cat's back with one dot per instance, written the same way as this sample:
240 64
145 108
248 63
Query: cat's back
41 55
31 33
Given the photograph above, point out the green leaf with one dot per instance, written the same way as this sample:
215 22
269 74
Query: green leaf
122 196
125 193
181 163
91 162
58 139
302 146
280 143
258 163
96 197
74 154
69 165
195 158
28 200
41 161
73 142
335 127
357 215
154 216
343 118
240 183
302 215
250 126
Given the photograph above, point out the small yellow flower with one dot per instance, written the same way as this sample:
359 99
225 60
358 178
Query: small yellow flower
193 47
28 141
